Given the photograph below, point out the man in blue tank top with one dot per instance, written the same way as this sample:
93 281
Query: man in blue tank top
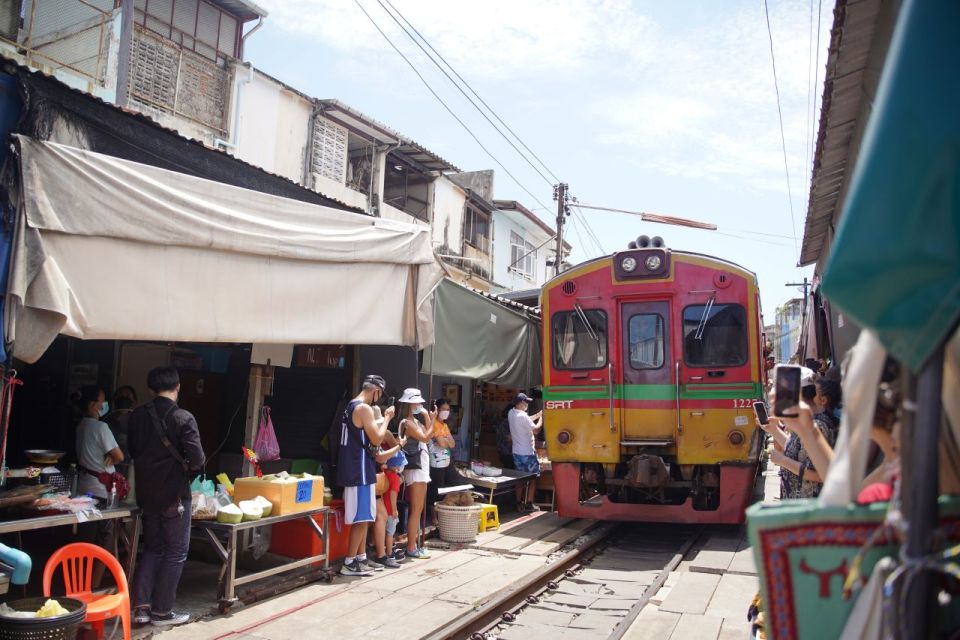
360 435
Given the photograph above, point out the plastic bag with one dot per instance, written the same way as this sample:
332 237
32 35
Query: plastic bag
202 506
266 446
203 486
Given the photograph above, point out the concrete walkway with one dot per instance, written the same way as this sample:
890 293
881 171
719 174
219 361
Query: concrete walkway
424 594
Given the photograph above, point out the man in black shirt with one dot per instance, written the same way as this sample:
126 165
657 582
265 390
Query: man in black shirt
165 444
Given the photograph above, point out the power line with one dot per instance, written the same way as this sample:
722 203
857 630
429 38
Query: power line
455 84
816 76
810 81
783 139
589 229
482 101
445 105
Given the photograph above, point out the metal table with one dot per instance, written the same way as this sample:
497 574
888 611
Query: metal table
499 485
229 581
123 513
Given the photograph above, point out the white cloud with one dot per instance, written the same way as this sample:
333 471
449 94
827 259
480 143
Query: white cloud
491 39
689 94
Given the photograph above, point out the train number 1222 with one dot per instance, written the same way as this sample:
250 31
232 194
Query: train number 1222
743 403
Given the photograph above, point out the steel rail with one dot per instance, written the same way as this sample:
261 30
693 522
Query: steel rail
488 613
652 590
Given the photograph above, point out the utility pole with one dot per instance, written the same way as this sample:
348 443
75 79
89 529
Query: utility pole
562 197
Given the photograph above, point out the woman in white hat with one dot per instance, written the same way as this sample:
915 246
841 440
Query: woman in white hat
417 473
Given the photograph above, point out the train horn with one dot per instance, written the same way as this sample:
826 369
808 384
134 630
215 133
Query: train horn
657 242
632 245
643 242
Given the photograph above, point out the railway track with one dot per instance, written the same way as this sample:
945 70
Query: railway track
594 589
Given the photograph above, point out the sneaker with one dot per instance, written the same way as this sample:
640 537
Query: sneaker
419 554
387 561
371 566
354 569
168 619
141 615
399 555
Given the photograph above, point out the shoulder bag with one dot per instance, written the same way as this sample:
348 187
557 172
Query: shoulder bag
411 449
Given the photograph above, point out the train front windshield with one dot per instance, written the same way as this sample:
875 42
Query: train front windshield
715 335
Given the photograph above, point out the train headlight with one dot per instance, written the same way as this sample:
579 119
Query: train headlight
564 437
736 438
628 264
653 263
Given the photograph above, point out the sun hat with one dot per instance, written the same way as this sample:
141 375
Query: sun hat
807 377
412 396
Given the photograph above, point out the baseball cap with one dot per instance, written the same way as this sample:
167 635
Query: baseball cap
377 381
398 461
521 397
807 377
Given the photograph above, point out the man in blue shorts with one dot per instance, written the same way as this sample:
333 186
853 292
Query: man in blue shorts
360 435
522 428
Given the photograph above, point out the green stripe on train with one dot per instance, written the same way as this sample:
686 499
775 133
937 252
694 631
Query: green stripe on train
657 392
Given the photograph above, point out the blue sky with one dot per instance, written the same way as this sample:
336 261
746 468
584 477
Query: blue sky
666 107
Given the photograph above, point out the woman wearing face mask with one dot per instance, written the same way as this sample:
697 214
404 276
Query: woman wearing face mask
442 472
97 449
417 474
97 453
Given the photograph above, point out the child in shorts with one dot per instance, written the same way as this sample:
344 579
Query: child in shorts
394 471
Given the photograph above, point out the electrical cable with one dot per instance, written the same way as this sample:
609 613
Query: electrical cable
589 230
816 76
482 101
783 139
810 81
445 105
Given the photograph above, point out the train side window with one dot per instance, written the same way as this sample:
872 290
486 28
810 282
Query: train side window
645 335
715 335
580 339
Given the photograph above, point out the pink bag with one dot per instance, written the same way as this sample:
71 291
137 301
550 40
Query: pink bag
266 446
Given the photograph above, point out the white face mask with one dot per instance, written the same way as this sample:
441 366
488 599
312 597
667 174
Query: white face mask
444 414
104 409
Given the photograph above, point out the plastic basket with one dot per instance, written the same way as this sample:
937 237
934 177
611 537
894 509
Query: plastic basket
62 481
56 628
458 524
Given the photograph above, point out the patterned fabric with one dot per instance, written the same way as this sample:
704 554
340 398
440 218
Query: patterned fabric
526 464
791 488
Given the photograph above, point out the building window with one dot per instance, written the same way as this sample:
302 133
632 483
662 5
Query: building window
579 339
195 25
523 256
476 228
645 333
715 335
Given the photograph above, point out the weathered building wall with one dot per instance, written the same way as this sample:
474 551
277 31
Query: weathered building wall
273 125
505 273
448 201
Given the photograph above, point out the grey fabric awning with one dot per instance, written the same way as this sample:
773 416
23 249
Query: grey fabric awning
475 337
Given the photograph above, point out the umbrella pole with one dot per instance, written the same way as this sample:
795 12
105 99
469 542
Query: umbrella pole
920 438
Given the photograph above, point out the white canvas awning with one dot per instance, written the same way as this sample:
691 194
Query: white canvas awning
111 249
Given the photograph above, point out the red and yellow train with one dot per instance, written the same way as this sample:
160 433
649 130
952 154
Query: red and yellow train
652 361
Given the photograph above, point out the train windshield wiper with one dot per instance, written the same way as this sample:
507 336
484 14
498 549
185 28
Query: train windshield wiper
586 323
698 334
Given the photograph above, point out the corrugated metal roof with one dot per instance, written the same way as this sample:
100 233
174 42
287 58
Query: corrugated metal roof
381 133
147 119
243 9
858 43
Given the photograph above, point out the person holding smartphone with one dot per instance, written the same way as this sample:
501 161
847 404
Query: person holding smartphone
813 433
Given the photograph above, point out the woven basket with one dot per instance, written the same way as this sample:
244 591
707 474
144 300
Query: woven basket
458 524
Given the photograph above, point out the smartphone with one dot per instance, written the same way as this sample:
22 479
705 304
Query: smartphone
761 410
787 389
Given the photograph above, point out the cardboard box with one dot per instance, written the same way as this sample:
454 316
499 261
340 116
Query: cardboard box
286 497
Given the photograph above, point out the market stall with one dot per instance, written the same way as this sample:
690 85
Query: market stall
265 270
